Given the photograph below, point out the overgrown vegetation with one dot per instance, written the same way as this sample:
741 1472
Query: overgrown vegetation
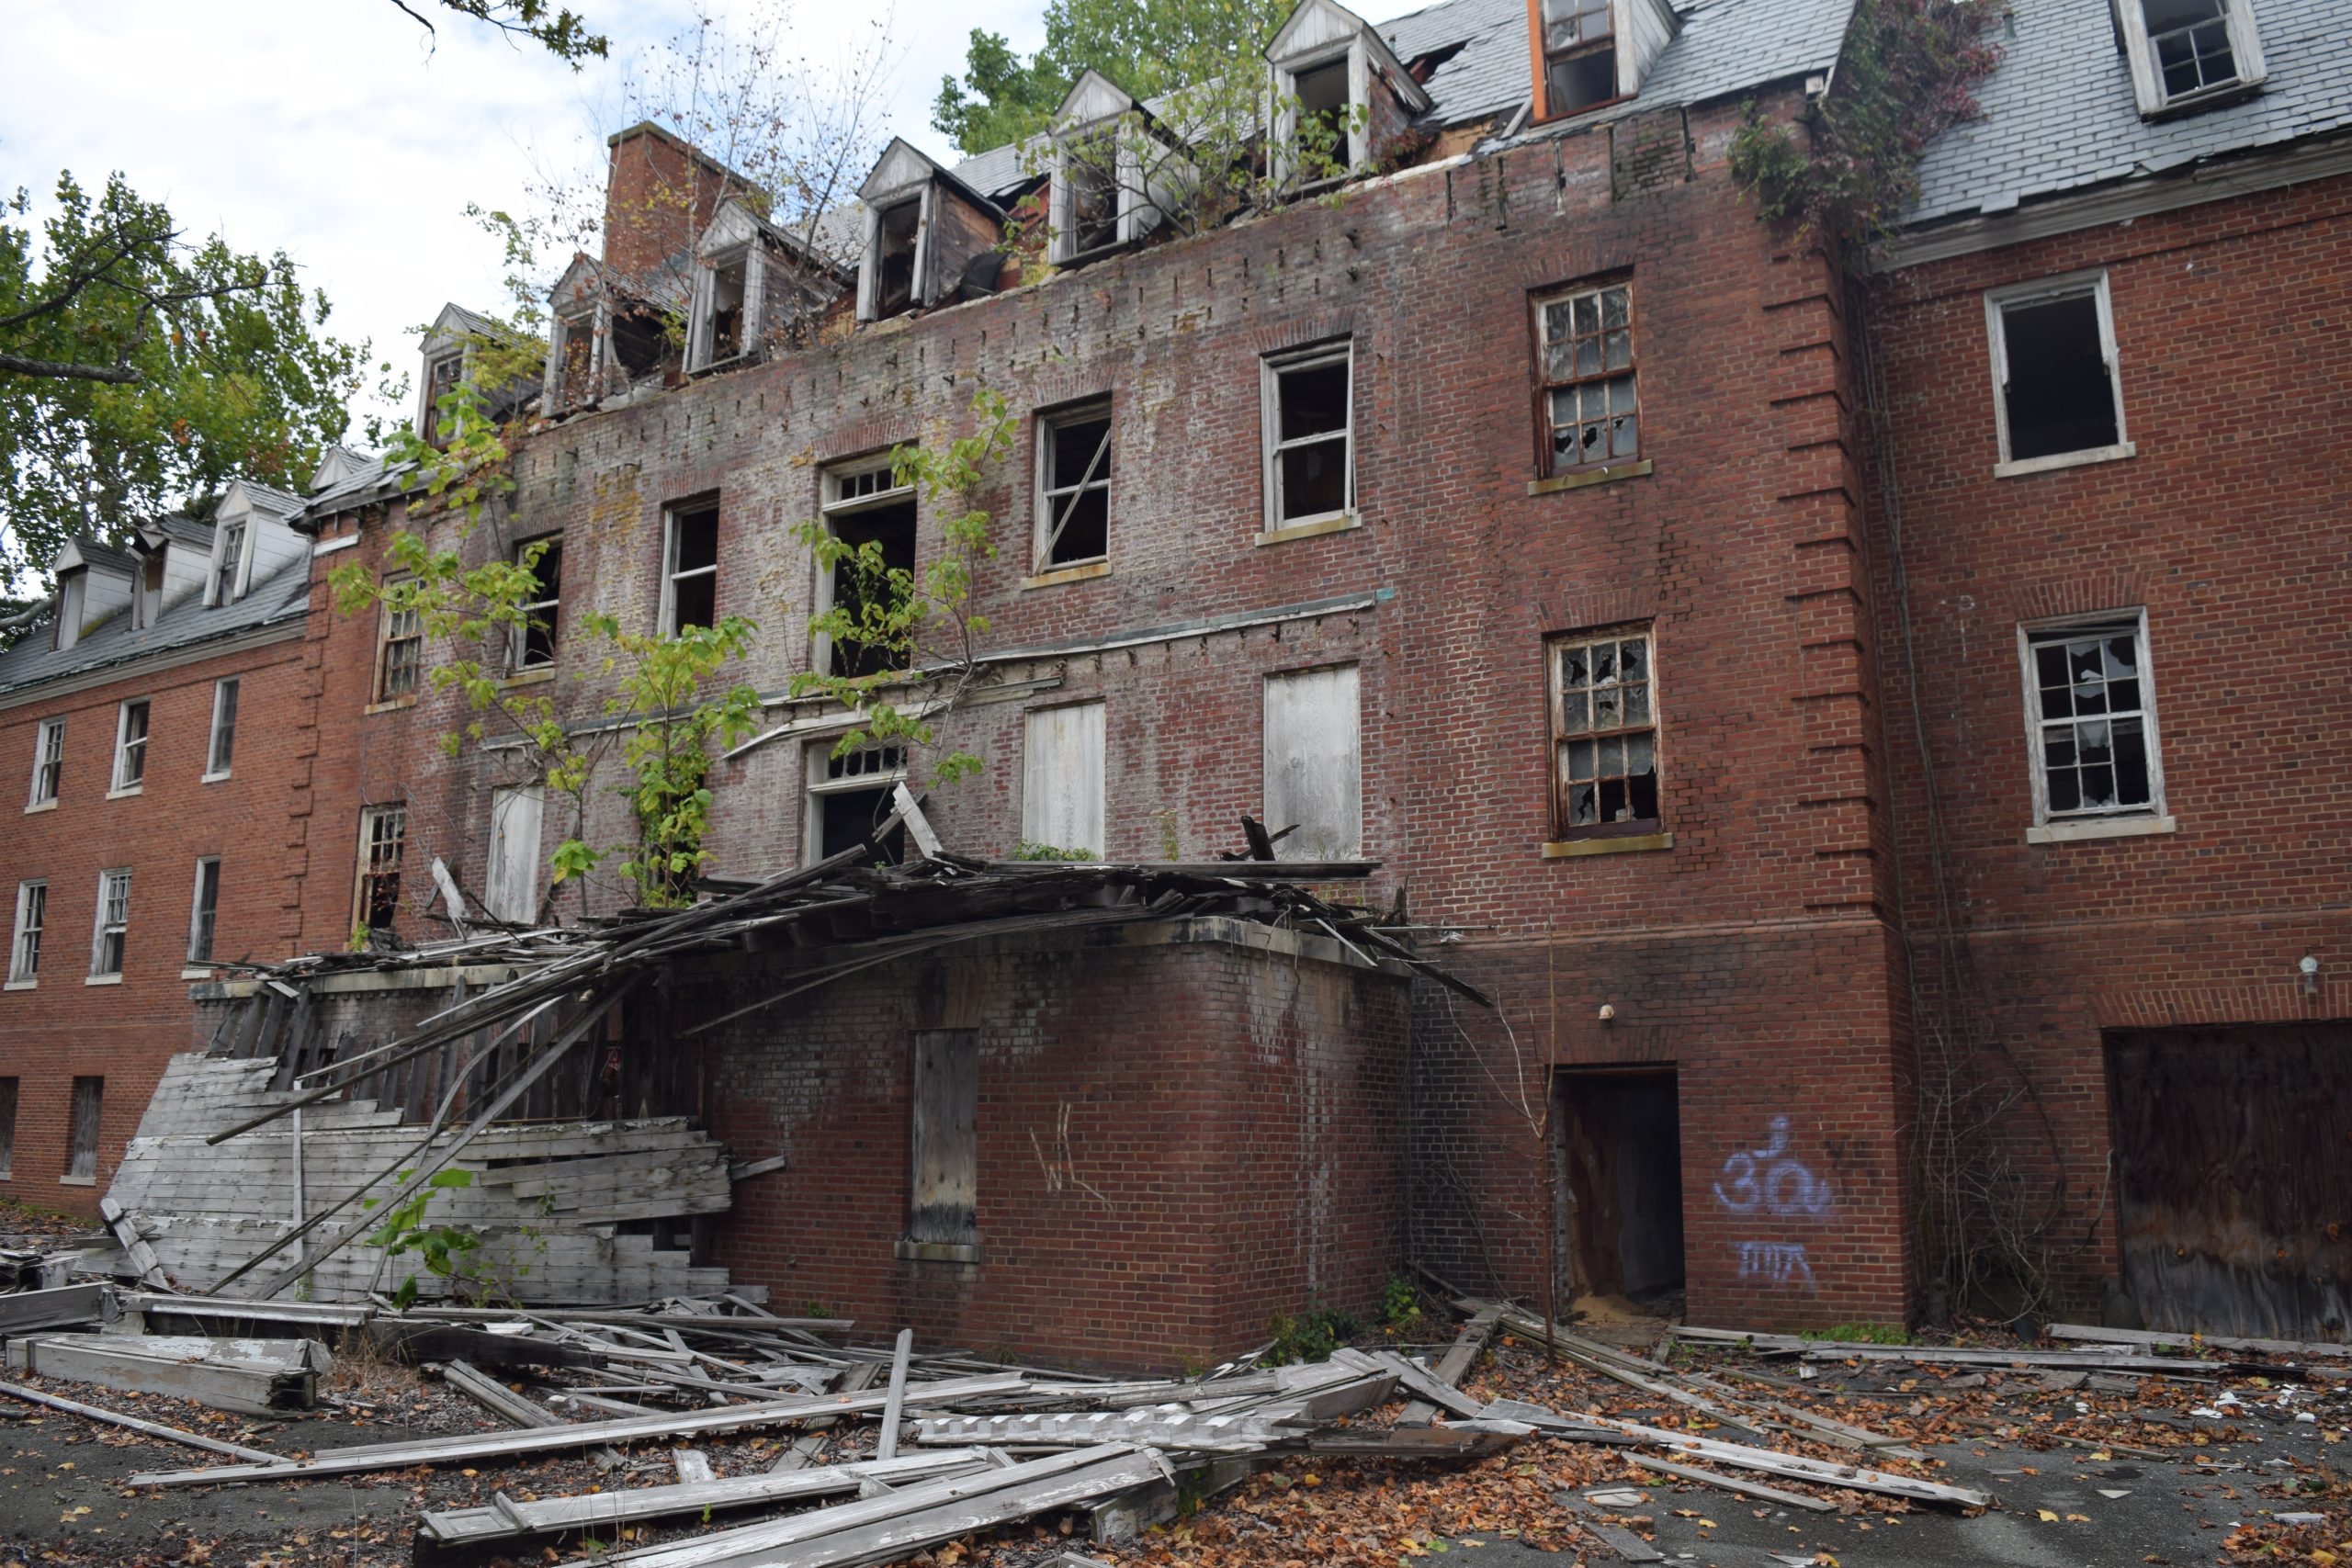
1861 1334
441 1248
1310 1337
1909 71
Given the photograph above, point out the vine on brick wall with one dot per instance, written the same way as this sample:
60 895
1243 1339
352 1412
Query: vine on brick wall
1909 71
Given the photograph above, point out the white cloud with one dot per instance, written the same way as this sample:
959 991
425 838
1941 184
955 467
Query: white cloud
336 131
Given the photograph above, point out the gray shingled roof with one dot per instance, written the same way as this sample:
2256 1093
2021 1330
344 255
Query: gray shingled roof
286 595
107 558
183 530
2060 114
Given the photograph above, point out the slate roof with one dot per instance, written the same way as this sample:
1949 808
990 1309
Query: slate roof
2060 114
286 595
106 557
182 530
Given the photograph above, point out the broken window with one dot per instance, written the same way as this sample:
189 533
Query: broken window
639 342
2054 354
442 373
728 286
575 355
130 746
1604 735
2092 719
1090 218
535 639
1310 437
228 557
866 509
111 929
1326 117
942 1207
850 797
399 655
8 1089
511 880
1314 782
49 761
897 231
690 569
24 948
1579 55
221 748
1073 485
147 600
1585 342
383 837
1061 780
2191 52
82 1137
206 907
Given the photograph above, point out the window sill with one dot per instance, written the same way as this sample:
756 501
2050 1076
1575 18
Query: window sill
196 971
19 985
1577 479
329 547
1314 528
1572 849
77 1182
126 793
2068 832
907 1250
2020 468
539 674
102 980
223 777
394 706
2211 97
41 806
1084 571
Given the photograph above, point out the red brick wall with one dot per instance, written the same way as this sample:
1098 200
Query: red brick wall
62 1028
2229 528
1177 1141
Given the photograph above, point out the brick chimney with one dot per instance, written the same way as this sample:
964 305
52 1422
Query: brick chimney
660 194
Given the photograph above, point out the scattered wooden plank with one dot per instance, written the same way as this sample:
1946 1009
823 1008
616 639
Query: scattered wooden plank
1230 1432
2077 1331
1628 1547
496 1397
1797 1467
309 1315
25 1311
751 1168
1929 1356
894 1403
577 1435
1755 1489
143 1427
252 1377
1455 1442
1455 1364
818 1433
134 1247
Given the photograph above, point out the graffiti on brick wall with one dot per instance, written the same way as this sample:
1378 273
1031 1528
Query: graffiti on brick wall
1767 1184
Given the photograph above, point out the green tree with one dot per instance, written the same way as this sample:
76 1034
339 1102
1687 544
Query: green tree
561 32
1147 49
138 371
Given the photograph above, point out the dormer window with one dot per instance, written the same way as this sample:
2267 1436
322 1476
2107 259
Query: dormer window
442 372
147 595
1579 55
73 598
572 359
2189 54
730 282
924 228
1329 66
898 244
228 563
1102 194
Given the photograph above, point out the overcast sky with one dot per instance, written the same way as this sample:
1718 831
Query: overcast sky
338 132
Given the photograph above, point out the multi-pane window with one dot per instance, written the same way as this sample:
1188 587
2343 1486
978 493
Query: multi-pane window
228 559
1579 55
48 761
205 905
534 640
221 750
442 374
399 658
113 927
1073 485
81 1135
850 796
1310 436
130 745
2092 719
24 947
1604 733
383 835
2059 397
690 573
867 510
1585 343
2193 53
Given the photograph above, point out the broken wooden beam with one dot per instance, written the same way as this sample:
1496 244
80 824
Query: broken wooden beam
252 1377
1455 1364
22 1311
2195 1341
1797 1467
135 1424
1746 1488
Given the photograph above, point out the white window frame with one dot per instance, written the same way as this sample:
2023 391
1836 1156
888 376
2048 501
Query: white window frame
123 745
1053 741
1271 370
48 765
702 343
2147 75
369 817
671 575
1286 74
427 416
1130 208
821 781
1048 497
25 936
380 694
203 925
2091 822
118 878
2042 291
237 535
869 274
146 598
839 478
73 608
517 657
224 697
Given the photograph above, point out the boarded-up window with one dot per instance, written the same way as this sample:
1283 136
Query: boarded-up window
1314 775
7 1128
511 880
1061 779
941 1209
82 1137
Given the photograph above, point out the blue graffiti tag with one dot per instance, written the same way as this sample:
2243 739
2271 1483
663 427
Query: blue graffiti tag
1767 1181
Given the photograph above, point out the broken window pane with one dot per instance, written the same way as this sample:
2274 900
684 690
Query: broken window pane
2057 385
694 567
2091 719
896 228
2191 42
1091 169
1588 359
1074 504
1323 115
1605 735
727 309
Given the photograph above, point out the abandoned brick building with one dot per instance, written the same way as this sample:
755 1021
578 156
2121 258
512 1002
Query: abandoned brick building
1744 665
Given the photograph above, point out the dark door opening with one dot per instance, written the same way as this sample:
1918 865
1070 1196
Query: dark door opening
2234 1177
1618 1141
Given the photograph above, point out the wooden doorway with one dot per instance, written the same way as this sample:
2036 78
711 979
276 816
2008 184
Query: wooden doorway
1618 1148
2234 1177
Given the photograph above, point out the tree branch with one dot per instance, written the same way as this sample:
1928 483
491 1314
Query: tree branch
120 375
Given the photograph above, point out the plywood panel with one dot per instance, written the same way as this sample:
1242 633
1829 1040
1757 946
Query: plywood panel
1314 771
1061 778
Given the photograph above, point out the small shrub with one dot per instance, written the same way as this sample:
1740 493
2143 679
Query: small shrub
1400 1307
1311 1338
1861 1334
